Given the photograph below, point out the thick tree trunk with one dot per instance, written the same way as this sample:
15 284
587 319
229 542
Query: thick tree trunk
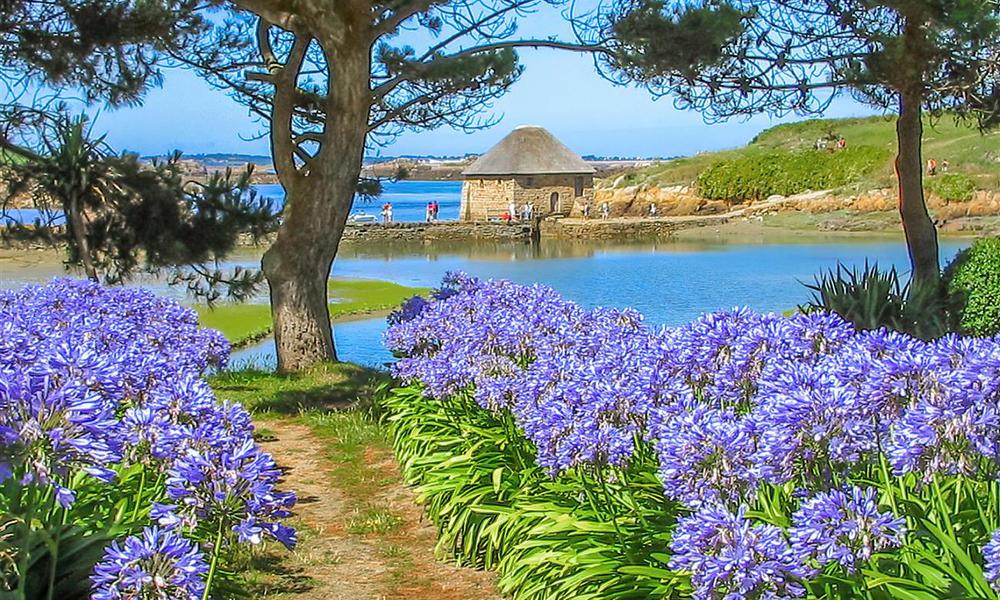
921 236
297 265
317 203
297 269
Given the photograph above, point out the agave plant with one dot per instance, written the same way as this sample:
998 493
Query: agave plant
872 298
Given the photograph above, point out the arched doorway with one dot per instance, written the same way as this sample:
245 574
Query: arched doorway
554 202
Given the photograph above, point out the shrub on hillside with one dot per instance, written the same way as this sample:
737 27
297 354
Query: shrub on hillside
758 176
975 274
951 187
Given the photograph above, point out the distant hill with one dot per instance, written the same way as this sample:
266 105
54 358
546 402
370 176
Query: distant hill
968 152
221 160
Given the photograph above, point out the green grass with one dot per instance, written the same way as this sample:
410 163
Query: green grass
348 297
962 145
373 520
334 401
327 387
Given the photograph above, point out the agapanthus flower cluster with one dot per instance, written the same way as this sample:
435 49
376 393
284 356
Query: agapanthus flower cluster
706 455
567 373
730 402
96 379
50 429
234 485
822 398
156 565
74 353
846 527
731 557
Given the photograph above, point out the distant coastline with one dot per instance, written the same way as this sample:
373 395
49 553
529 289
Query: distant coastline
199 167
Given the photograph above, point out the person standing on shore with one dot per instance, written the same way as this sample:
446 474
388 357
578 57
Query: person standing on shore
429 212
652 209
605 210
586 210
512 210
388 212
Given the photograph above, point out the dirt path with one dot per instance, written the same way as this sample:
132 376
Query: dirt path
334 561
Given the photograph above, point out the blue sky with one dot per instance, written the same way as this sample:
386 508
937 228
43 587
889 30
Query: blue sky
560 91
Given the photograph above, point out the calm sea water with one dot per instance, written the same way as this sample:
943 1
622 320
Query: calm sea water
409 199
670 283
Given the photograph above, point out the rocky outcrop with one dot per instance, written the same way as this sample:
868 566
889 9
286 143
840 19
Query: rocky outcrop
635 201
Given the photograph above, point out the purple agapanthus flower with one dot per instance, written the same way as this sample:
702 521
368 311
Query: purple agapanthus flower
706 455
991 558
48 431
96 379
234 485
845 527
156 565
730 557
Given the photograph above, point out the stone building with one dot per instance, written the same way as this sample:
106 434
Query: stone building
527 166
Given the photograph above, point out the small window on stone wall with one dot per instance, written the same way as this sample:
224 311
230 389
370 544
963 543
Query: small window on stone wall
578 187
530 181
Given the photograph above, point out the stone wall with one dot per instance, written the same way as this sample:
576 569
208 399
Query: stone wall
559 228
488 198
452 230
539 190
621 228
484 198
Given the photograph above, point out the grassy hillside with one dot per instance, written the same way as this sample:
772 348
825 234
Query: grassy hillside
969 152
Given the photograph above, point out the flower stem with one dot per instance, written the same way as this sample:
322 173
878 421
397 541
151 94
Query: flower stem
28 512
55 553
138 497
611 508
216 550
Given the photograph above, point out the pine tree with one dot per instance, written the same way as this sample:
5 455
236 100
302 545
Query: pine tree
730 58
331 80
114 215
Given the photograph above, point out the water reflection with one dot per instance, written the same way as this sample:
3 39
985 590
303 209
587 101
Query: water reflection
357 341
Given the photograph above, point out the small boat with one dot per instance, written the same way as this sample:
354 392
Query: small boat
361 219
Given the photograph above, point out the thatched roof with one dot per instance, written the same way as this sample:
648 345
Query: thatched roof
528 150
